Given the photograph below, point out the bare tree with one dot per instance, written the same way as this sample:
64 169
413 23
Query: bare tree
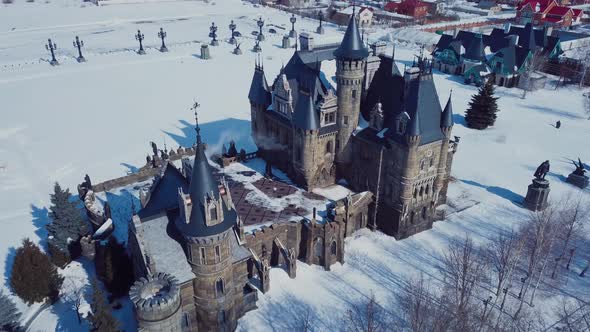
537 233
422 310
501 254
584 55
535 63
367 316
573 316
73 295
571 219
463 271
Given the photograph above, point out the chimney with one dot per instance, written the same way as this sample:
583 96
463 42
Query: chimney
378 48
455 32
305 42
512 40
313 220
507 27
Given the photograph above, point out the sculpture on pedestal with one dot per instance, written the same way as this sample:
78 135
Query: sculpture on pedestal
538 191
578 177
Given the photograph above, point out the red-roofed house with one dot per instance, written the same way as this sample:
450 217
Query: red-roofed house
414 8
546 12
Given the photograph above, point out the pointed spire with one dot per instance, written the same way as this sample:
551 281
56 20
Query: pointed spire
195 106
446 119
352 46
414 127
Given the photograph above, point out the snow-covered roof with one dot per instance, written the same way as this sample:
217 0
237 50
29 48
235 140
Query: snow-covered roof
166 253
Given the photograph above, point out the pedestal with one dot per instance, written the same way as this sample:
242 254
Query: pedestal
320 30
537 194
53 62
293 34
80 59
141 52
232 41
205 52
237 51
163 49
260 37
580 181
214 43
286 42
257 48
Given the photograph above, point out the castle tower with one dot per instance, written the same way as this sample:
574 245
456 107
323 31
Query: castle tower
412 136
306 124
260 98
351 58
156 300
206 222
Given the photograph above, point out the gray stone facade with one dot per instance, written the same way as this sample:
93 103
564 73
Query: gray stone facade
407 172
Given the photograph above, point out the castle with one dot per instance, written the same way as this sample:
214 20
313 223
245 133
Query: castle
309 129
196 266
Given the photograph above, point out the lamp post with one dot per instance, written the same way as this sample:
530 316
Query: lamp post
140 37
79 44
162 34
232 27
293 33
260 24
213 34
51 47
320 29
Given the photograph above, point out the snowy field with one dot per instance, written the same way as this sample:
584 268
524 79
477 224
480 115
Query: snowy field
59 123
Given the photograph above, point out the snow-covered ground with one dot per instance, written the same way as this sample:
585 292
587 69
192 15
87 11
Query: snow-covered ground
59 123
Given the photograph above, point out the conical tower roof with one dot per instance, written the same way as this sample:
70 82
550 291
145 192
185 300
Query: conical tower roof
352 46
305 116
204 188
259 91
414 126
446 119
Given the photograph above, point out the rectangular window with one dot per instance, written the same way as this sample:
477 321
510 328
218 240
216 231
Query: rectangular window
203 261
189 252
353 94
186 321
346 120
327 118
217 254
331 117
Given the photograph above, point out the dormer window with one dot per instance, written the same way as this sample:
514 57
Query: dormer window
213 212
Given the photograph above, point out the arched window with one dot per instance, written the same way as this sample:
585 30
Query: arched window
421 191
415 192
333 248
424 212
221 317
219 287
426 190
329 147
318 247
412 217
431 162
213 212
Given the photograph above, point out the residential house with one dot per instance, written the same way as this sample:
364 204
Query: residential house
547 12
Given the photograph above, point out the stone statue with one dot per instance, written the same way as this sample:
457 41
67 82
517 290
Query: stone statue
88 183
154 148
579 168
542 170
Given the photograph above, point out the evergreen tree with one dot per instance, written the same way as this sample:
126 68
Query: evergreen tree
101 319
34 277
115 268
66 228
9 315
482 107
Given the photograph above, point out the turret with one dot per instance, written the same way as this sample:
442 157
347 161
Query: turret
306 123
260 98
414 131
351 58
206 223
446 118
